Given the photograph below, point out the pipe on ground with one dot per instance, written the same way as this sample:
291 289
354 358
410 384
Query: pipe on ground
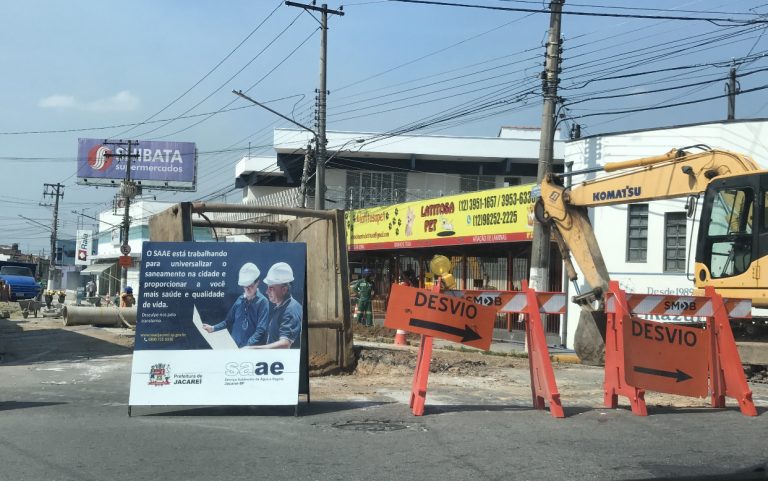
99 316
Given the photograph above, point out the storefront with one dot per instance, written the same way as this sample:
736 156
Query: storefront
486 235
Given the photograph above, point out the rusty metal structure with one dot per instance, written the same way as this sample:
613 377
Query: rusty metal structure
328 303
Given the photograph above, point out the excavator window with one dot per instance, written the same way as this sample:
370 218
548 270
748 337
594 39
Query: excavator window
730 232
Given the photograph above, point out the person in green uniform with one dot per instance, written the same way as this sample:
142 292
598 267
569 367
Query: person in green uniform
365 291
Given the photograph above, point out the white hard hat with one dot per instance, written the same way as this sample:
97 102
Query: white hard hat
249 273
279 273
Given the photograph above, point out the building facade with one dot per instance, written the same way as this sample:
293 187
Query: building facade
367 171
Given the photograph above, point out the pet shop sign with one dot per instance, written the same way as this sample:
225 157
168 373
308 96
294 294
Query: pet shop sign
488 216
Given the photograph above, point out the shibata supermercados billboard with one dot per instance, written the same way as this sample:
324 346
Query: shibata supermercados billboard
155 165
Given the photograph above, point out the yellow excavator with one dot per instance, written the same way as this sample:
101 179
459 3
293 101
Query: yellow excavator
732 244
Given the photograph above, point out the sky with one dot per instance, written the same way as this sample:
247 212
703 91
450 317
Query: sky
149 70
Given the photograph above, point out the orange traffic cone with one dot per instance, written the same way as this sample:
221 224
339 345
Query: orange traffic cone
400 338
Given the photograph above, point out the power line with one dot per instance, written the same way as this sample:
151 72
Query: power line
644 9
678 104
118 135
224 84
589 14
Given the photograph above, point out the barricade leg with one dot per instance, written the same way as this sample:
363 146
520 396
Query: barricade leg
416 370
726 374
421 376
543 385
615 382
423 361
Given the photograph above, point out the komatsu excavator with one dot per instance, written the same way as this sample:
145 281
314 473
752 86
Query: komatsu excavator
732 246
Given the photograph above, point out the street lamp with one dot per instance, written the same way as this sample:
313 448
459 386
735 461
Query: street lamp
319 179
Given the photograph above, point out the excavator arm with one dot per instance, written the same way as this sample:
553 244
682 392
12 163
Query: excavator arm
677 173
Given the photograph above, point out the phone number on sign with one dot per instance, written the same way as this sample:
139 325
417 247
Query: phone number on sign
494 218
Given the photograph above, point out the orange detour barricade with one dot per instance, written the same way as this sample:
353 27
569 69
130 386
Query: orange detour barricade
666 357
439 315
532 304
434 314
726 374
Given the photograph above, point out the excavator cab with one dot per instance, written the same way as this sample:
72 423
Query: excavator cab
733 236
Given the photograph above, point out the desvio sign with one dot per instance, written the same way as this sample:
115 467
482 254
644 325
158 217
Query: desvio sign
169 165
665 357
438 315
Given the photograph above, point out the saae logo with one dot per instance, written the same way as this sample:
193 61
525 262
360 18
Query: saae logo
100 158
249 368
160 375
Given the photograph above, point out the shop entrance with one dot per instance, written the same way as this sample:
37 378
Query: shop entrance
476 267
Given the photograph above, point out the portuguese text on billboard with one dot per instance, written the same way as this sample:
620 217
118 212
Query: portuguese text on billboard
489 216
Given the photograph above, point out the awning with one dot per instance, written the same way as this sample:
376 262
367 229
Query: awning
95 269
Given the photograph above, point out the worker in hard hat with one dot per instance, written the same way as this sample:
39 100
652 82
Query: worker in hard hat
365 290
126 298
249 311
284 327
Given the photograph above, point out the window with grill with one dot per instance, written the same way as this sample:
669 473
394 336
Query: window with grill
371 189
473 183
674 242
637 233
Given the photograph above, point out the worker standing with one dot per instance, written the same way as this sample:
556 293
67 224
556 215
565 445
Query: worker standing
364 288
126 298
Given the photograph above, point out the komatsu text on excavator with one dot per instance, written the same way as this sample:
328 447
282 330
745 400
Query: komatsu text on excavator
732 245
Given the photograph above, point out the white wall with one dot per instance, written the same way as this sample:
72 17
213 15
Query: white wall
256 191
610 223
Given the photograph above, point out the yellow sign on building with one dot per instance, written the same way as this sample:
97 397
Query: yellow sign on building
488 216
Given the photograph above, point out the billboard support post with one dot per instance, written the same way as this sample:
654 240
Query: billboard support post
127 190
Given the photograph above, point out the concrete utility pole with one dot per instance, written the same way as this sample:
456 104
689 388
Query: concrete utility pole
733 88
539 274
128 191
57 191
321 101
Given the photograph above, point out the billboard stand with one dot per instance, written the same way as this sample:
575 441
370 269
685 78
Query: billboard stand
304 362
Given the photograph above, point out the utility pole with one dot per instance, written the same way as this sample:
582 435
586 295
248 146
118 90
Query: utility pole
733 88
321 100
540 246
57 191
128 191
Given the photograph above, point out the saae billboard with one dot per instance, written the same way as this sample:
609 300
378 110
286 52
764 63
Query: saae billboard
156 165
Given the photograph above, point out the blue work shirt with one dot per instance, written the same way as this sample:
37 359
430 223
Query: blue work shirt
244 318
284 323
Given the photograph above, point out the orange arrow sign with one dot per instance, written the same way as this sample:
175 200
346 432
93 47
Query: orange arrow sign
437 315
665 357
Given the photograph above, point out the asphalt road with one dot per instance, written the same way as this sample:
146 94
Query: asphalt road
65 417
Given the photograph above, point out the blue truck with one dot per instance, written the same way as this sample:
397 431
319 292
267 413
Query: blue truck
21 277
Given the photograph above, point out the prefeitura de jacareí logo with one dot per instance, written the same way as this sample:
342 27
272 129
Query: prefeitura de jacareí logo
160 375
100 158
